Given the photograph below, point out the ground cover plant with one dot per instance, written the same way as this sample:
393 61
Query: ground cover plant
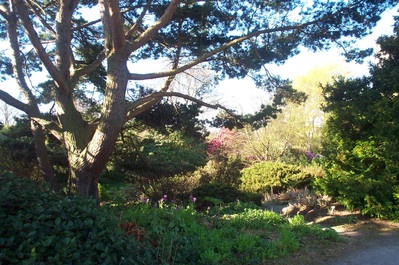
227 233
38 227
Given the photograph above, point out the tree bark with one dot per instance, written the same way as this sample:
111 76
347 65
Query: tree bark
42 156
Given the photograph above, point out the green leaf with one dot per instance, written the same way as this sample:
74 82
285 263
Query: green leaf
33 252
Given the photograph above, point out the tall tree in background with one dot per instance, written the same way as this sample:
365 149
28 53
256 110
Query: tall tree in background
361 141
297 128
85 58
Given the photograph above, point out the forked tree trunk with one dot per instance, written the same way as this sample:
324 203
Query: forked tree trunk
89 159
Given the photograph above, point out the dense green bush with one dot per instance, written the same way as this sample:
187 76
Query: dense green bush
37 227
361 138
173 186
211 194
150 153
222 168
273 176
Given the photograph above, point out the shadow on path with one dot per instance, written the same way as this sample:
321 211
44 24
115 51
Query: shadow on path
372 242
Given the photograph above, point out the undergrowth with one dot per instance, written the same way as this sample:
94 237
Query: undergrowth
233 233
38 227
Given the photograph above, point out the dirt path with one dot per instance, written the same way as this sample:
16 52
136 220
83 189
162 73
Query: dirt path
365 241
370 242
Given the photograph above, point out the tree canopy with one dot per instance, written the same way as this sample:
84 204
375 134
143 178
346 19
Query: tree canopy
88 61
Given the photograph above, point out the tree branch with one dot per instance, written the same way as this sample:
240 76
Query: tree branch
16 60
30 111
3 11
142 104
35 40
45 24
97 20
8 99
111 17
151 31
176 60
53 128
88 68
64 55
206 56
139 20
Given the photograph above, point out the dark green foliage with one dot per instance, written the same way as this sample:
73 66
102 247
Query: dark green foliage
37 227
167 155
158 163
5 66
211 194
232 38
18 152
17 149
273 176
205 25
361 139
166 117
170 228
177 186
151 153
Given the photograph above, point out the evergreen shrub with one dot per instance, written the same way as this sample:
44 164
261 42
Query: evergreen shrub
274 176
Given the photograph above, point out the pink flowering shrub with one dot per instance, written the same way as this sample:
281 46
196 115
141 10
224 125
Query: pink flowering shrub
220 141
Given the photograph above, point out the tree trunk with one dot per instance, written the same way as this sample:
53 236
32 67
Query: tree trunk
42 156
84 182
88 161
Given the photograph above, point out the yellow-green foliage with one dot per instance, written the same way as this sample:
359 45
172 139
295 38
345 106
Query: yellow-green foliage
274 176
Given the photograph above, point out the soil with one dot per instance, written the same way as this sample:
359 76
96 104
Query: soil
364 240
